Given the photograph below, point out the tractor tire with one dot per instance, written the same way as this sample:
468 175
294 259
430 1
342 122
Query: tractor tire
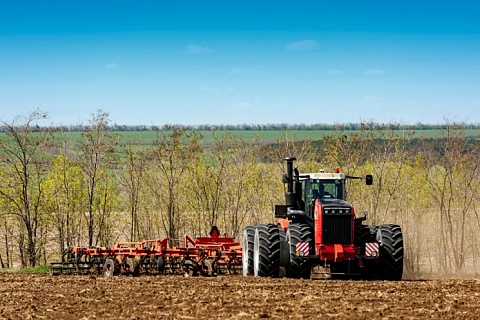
299 268
363 235
390 266
266 251
247 247
111 267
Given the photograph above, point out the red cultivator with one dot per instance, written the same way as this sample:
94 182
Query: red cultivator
205 256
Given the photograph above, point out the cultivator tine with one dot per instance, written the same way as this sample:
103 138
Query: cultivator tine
209 267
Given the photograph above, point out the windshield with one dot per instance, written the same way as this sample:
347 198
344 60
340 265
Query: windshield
325 189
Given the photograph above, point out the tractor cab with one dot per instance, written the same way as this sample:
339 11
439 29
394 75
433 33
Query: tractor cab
326 187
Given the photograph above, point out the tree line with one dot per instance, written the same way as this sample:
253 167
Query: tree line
255 127
55 192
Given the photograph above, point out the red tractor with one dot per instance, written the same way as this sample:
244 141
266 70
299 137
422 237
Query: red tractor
318 227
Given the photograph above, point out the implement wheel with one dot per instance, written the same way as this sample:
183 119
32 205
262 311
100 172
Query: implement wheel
189 267
111 267
133 268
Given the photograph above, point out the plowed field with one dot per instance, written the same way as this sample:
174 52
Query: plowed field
232 297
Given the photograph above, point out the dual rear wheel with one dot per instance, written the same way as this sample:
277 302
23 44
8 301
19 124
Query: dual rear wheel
262 246
261 250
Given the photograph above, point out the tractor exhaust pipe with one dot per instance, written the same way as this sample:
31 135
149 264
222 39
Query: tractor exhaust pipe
290 196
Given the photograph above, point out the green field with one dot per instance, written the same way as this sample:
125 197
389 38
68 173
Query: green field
145 138
267 136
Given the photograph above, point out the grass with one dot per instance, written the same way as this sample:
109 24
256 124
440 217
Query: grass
37 269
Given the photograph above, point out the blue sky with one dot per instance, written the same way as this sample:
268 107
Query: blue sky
234 62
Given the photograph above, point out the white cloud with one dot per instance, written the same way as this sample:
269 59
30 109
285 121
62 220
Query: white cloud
304 45
373 72
236 70
333 72
196 49
112 65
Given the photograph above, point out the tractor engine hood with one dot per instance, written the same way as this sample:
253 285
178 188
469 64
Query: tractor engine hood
336 207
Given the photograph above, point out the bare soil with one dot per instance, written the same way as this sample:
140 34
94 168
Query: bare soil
42 296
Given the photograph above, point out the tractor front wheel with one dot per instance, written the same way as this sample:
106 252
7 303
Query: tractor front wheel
366 234
299 267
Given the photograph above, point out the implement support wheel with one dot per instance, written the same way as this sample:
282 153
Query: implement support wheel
189 267
111 267
133 268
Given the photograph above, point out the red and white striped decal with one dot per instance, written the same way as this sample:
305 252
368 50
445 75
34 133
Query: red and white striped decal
302 249
372 249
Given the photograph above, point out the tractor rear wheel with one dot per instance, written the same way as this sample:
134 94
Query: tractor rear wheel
266 251
299 267
391 252
247 247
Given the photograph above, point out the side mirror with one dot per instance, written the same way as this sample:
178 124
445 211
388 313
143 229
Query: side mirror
368 179
365 213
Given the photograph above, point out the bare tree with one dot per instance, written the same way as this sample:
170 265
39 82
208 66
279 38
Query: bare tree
133 180
389 154
453 177
348 150
23 168
95 152
289 145
176 151
66 195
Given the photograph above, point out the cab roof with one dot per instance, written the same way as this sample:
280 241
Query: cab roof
325 175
